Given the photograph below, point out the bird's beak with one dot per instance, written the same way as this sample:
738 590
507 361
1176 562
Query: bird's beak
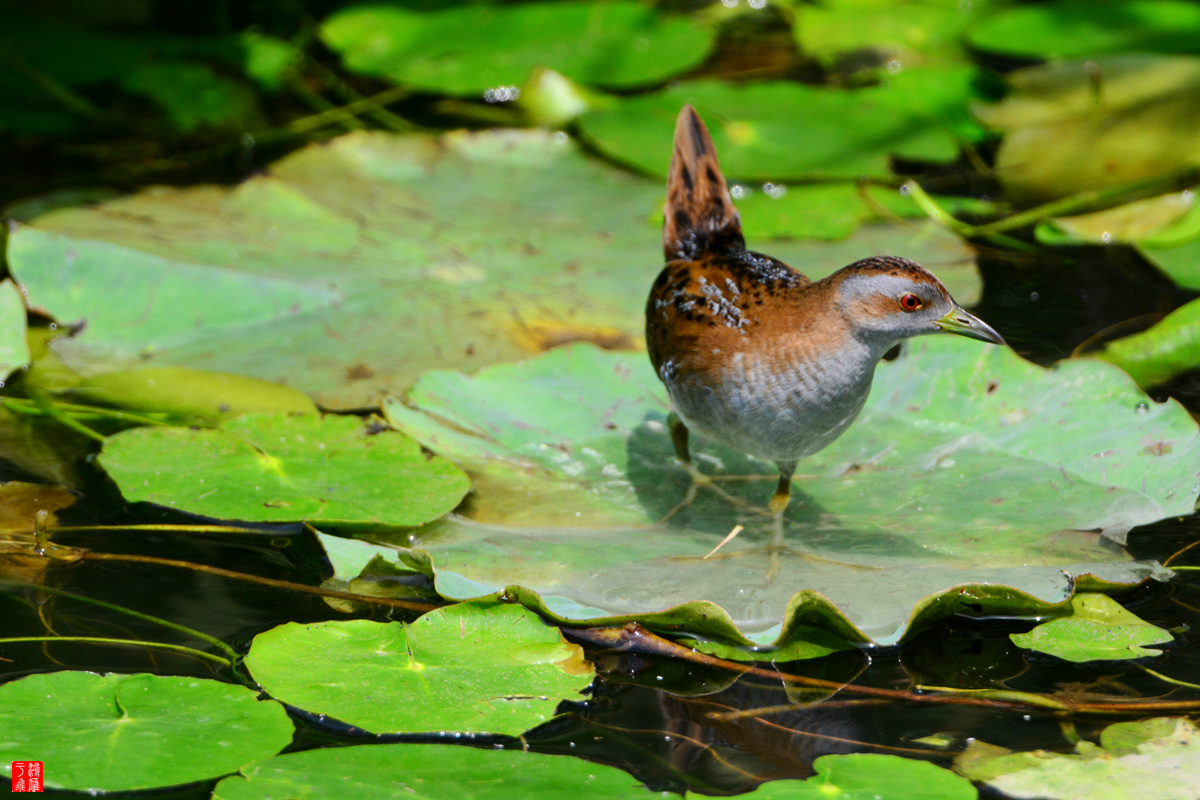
966 324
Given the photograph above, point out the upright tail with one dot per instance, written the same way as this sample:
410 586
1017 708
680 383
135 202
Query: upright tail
699 216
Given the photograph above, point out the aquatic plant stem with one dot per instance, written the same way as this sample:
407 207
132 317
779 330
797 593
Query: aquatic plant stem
204 637
178 648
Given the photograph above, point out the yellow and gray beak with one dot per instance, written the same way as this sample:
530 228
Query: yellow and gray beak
966 324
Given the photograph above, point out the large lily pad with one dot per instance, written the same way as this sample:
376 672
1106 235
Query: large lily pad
279 467
470 668
124 732
14 349
356 266
969 484
471 49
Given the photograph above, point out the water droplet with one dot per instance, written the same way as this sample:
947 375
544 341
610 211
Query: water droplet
1142 408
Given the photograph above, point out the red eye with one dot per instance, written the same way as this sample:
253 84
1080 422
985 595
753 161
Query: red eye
909 302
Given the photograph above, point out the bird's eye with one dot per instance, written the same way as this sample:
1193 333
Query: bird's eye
909 302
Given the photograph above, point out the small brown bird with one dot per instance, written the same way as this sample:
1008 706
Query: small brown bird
753 354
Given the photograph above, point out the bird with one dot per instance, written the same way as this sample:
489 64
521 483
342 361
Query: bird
753 354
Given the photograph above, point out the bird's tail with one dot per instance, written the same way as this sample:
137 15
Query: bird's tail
699 216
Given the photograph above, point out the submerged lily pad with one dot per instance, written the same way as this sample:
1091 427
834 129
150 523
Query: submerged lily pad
113 733
482 668
471 49
1098 629
285 467
967 485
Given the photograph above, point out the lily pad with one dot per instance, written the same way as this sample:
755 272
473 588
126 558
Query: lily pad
277 467
469 50
1163 351
469 668
871 775
426 772
1084 28
363 263
1098 629
14 349
1160 753
373 258
1081 125
112 733
776 131
967 486
885 33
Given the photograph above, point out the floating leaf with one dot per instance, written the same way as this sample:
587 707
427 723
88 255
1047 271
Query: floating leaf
965 486
471 667
1161 352
1084 28
285 467
885 33
427 772
373 258
113 733
1076 126
788 131
1130 222
1160 755
870 775
1098 629
469 50
363 262
14 348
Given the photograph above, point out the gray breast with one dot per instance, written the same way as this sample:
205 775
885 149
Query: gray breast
778 415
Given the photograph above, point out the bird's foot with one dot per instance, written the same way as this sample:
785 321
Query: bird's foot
700 480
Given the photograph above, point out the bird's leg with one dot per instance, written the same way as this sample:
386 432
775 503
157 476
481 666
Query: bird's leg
679 438
778 505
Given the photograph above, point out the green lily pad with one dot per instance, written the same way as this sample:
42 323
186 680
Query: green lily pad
1162 755
1163 351
470 668
363 263
426 772
788 131
1098 629
1085 28
1075 126
871 775
14 348
967 485
113 733
374 258
472 49
276 467
884 33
